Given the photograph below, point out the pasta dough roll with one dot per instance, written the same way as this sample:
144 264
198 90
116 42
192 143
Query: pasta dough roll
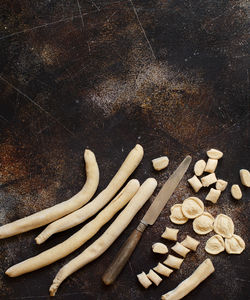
108 237
79 238
59 210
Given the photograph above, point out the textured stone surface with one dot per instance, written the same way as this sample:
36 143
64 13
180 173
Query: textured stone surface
170 75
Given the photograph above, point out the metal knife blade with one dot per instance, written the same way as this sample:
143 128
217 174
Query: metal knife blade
166 192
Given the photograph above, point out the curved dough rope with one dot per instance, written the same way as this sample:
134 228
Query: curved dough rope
79 238
57 211
127 168
108 237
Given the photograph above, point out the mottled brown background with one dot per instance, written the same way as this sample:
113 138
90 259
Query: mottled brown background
105 75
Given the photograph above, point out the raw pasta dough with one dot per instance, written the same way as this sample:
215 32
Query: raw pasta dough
192 207
204 223
215 245
224 226
177 216
235 245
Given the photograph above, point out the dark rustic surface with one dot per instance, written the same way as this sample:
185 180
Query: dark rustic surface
170 75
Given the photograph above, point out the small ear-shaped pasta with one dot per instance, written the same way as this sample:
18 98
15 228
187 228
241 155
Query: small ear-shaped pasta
204 223
155 278
245 177
192 207
173 261
180 249
213 195
170 234
159 248
221 185
215 245
195 183
236 192
214 154
163 270
211 165
224 226
177 216
190 243
160 163
199 167
235 245
209 179
143 279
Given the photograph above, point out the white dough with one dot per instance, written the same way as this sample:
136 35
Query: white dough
211 165
180 249
235 245
160 163
245 177
209 179
170 234
213 195
155 278
190 243
159 248
203 224
199 167
177 216
236 192
143 279
224 226
163 270
221 185
215 245
192 207
214 153
173 261
195 183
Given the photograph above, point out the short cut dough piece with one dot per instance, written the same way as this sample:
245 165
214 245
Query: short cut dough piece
245 177
192 207
213 195
163 270
215 245
203 224
221 185
209 179
155 278
190 243
177 216
224 226
160 248
199 167
235 245
185 287
143 279
173 261
180 249
214 154
170 234
195 183
236 192
160 163
211 165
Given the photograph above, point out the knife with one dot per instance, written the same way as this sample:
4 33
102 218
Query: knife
149 218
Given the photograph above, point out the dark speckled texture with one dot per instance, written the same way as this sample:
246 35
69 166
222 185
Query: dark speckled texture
105 75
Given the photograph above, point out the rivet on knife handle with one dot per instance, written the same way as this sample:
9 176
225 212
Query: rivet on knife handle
123 255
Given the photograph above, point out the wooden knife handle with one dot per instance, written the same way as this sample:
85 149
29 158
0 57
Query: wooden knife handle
123 255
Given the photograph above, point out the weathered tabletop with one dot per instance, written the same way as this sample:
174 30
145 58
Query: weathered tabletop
105 75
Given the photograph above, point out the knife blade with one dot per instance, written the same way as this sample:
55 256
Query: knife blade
149 219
